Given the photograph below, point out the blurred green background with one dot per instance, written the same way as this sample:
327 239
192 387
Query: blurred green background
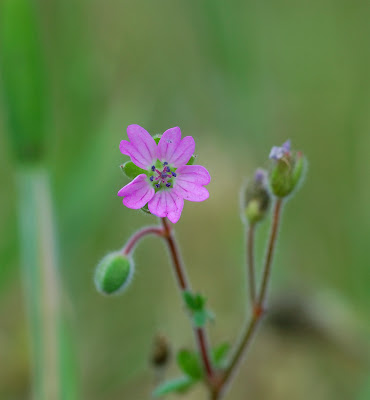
239 76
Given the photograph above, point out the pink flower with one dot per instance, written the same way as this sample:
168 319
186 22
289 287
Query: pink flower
167 180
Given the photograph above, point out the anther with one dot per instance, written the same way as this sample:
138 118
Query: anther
151 178
153 168
165 163
174 174
157 185
168 184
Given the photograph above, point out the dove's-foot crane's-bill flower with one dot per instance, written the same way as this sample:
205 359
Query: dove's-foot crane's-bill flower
166 179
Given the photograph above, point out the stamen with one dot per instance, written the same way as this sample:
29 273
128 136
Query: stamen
158 185
168 169
164 176
168 184
153 168
174 174
151 178
165 163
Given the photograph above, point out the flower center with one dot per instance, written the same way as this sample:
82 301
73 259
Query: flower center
162 176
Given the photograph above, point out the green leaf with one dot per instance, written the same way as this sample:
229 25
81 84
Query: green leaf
200 318
131 170
190 364
178 385
200 301
189 299
219 353
194 302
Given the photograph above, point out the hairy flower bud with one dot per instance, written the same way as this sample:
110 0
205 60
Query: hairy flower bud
287 170
256 197
161 352
114 273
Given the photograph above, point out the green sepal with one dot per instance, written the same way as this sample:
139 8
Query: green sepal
286 174
298 170
131 170
219 354
192 159
157 138
177 385
190 364
145 209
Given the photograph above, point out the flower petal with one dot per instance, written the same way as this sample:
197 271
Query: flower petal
166 204
193 173
190 191
168 143
183 152
137 193
142 148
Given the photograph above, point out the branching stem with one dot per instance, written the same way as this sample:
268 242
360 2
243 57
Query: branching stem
258 306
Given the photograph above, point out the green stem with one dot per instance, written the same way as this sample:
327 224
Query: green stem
250 263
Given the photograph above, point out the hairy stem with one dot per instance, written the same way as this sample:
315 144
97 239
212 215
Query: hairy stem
184 285
270 252
134 239
258 308
250 264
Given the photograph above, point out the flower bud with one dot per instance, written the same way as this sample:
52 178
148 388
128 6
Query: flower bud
161 352
257 197
114 273
287 170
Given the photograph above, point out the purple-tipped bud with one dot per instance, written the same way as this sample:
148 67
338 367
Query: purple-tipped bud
260 175
256 199
287 169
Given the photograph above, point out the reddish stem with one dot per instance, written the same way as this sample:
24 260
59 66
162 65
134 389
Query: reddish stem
136 237
270 252
179 269
258 308
250 264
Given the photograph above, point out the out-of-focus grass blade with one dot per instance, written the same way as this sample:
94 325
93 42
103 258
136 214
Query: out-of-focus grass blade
52 357
24 85
23 78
